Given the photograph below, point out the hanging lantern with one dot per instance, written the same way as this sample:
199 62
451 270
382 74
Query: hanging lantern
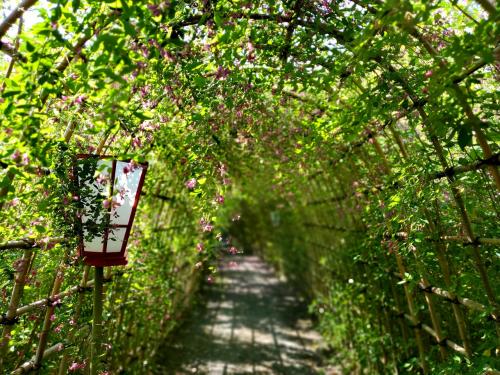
109 191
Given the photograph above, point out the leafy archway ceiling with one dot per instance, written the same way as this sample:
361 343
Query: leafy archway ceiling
251 82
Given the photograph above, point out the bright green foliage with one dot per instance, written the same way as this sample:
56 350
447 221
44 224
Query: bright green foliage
324 124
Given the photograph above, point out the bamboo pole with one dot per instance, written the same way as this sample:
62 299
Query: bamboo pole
117 335
413 315
444 265
430 303
466 224
417 329
47 322
29 244
446 270
31 364
63 365
14 57
97 321
488 6
443 261
457 197
474 121
431 332
379 151
17 290
409 297
15 15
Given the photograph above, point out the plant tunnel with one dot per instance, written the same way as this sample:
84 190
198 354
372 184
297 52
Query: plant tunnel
351 144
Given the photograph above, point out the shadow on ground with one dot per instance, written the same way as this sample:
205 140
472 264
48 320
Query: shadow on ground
252 323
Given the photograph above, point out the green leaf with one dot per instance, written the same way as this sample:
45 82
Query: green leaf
8 94
464 137
218 19
40 229
75 5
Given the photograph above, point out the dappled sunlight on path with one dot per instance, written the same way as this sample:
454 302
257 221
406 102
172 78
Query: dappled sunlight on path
253 323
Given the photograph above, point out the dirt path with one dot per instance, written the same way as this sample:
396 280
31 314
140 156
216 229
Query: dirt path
252 323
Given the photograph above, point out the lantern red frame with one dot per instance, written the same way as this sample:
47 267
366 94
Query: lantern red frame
106 259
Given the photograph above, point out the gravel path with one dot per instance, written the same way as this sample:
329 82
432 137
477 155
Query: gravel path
252 323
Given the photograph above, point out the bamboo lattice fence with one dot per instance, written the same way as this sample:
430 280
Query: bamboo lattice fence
400 271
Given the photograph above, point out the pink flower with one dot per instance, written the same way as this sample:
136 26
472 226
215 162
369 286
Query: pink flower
154 9
14 202
102 179
222 73
191 184
210 279
16 156
206 226
144 90
219 199
80 99
136 142
58 328
233 250
428 74
166 55
199 247
130 167
52 317
222 170
149 126
106 203
26 159
76 366
226 181
118 202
